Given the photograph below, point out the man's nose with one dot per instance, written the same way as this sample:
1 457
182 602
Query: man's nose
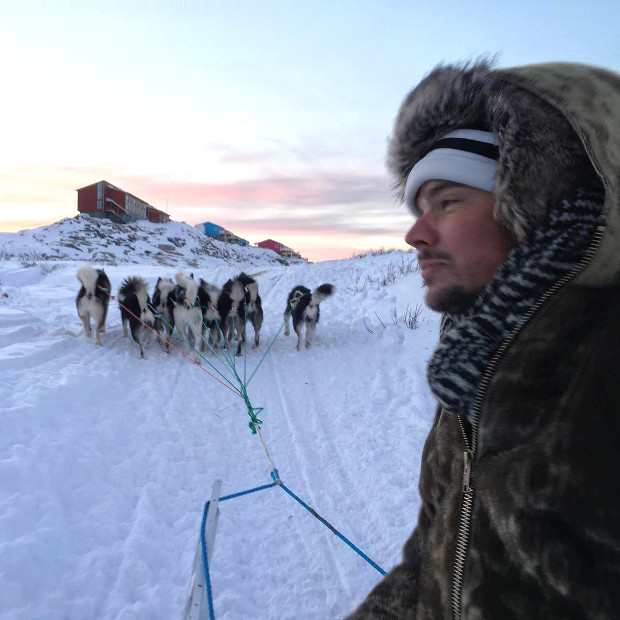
421 233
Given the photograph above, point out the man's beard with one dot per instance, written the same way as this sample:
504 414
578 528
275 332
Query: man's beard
454 300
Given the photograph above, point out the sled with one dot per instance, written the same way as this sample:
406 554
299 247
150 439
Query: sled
197 607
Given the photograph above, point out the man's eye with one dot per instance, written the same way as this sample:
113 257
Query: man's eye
447 202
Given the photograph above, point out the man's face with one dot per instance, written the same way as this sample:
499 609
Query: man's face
460 245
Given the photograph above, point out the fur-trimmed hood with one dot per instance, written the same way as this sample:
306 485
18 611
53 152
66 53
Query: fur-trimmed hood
520 514
557 124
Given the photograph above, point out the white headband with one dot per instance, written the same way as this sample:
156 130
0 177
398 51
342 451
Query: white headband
466 156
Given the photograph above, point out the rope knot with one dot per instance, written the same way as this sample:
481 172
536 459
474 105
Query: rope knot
254 423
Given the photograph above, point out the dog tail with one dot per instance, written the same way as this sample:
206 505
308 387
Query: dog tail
321 293
133 285
142 293
88 277
252 288
212 291
141 286
190 286
237 292
165 286
245 279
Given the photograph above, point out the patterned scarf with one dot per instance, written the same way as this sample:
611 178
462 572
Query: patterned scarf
469 340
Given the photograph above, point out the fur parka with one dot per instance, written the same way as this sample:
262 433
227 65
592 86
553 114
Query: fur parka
536 517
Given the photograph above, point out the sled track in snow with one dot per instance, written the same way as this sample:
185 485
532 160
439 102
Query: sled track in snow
298 421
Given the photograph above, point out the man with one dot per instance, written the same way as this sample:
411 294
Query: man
514 176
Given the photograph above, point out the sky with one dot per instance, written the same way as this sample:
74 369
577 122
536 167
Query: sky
106 460
268 118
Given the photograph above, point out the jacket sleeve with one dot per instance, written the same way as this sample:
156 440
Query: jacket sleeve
395 597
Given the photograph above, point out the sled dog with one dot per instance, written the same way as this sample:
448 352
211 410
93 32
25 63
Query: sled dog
136 310
208 294
185 306
162 311
93 299
239 302
303 307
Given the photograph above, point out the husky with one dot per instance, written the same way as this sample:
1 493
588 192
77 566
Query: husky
239 302
303 307
186 311
93 299
255 313
208 294
164 318
136 310
293 299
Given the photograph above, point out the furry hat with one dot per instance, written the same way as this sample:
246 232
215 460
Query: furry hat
541 159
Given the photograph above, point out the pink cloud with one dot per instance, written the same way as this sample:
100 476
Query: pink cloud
322 214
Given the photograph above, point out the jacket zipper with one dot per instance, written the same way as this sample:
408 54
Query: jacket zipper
467 502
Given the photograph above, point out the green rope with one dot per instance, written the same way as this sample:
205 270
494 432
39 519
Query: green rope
205 359
254 422
227 357
265 353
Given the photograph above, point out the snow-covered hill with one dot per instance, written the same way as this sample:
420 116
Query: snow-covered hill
99 240
106 460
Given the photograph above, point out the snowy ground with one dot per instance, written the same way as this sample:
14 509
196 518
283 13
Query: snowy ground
106 460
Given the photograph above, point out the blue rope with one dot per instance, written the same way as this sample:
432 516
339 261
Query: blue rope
276 477
242 391
205 562
203 542
265 486
265 354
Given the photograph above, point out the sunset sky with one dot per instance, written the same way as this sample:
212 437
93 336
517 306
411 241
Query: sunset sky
267 117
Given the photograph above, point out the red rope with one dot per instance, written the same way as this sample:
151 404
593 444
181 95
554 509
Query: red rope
187 357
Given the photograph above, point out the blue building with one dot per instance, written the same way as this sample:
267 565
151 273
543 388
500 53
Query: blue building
220 233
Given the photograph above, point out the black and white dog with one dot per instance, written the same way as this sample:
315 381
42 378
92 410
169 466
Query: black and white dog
239 301
164 318
93 299
291 303
133 296
303 306
184 304
208 294
193 311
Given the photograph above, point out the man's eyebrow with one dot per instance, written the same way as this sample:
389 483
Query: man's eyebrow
431 193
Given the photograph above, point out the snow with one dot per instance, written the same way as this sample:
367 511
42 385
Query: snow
106 460
91 239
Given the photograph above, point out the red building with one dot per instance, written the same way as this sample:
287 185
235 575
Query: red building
270 244
106 200
278 248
